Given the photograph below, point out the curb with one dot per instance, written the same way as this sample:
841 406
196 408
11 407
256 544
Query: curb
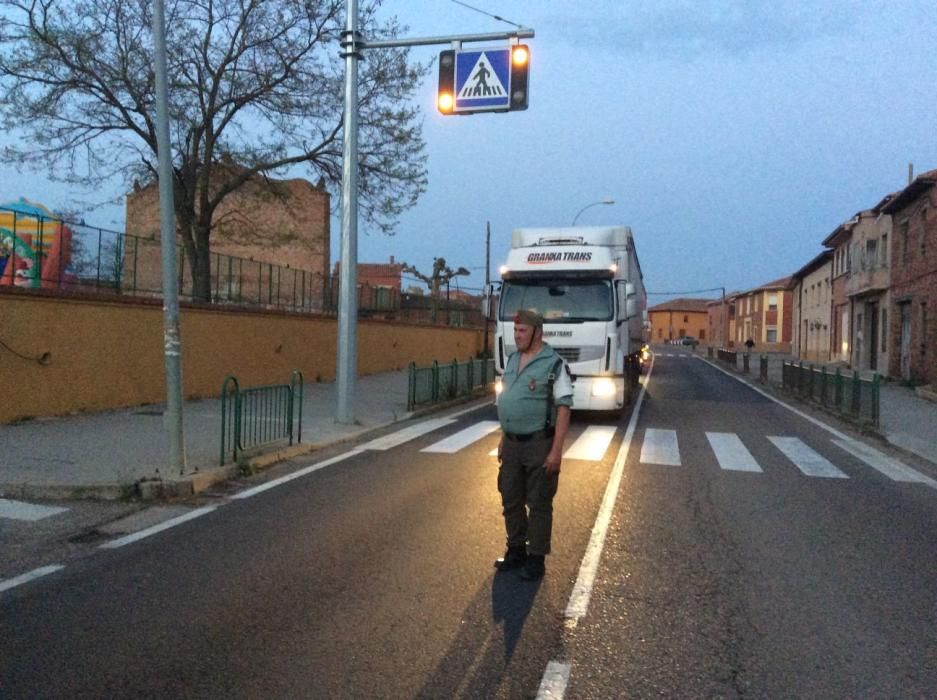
188 485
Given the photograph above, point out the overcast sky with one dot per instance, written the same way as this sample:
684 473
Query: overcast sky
733 136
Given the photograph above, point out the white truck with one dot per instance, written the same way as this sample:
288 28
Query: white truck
587 284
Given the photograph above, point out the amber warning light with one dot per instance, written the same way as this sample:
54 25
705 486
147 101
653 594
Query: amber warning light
519 55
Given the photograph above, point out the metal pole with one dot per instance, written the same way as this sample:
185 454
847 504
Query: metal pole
171 345
725 321
487 284
348 300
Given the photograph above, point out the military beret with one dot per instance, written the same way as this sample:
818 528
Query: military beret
529 317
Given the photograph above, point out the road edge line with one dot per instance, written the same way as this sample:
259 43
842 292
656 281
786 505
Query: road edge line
582 590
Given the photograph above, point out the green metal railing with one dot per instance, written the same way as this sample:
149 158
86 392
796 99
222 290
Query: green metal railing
259 415
851 396
448 381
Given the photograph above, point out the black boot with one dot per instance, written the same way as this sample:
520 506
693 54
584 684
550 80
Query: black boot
513 558
534 568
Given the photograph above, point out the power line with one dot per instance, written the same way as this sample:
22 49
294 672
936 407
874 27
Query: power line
693 291
500 19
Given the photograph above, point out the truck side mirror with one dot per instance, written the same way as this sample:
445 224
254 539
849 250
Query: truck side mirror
629 289
631 307
625 305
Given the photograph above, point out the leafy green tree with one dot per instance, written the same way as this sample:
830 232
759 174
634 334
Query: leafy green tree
255 88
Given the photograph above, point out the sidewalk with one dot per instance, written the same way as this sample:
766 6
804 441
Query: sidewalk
906 420
123 453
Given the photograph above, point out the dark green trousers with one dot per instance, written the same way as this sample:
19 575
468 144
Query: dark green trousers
527 493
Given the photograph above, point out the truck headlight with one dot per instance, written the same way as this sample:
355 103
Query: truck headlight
499 386
603 387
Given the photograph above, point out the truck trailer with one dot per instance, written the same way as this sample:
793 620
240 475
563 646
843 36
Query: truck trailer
587 284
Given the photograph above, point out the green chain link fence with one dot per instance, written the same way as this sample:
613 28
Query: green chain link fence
447 381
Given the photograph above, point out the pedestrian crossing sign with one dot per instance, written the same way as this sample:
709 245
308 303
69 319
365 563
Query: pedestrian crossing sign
483 80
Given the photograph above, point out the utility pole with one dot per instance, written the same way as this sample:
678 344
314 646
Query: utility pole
352 45
487 283
172 350
725 321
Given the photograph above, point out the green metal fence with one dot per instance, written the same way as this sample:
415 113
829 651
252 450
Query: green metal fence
447 381
259 415
851 396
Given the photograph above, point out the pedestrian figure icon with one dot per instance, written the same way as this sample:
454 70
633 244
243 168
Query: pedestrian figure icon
483 81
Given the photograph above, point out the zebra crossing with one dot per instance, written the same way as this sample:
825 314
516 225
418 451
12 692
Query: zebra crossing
27 512
661 447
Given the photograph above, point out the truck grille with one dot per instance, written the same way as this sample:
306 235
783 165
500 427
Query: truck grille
568 354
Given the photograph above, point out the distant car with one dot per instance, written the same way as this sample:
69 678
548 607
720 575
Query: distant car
690 340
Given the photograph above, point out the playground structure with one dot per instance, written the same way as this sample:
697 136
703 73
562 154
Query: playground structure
35 246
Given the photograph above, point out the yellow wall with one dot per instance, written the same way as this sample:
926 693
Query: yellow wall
104 355
666 325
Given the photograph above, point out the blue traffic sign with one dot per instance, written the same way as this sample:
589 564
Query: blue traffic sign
483 80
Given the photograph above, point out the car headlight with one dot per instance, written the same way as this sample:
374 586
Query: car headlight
603 387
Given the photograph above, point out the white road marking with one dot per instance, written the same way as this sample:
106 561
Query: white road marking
247 493
593 442
660 447
732 453
17 510
852 442
392 440
29 576
554 681
136 536
582 590
804 458
892 468
464 437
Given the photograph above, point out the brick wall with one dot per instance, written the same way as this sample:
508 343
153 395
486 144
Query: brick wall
914 288
274 222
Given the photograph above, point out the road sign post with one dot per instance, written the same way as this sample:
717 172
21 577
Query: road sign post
353 44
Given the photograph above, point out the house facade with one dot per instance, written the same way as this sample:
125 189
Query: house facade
811 290
765 314
721 322
678 318
861 289
912 328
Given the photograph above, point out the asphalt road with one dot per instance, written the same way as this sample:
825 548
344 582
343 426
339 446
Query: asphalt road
372 577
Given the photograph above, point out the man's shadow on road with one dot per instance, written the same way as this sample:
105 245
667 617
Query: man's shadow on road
478 658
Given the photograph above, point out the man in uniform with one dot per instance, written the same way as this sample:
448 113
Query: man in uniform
533 409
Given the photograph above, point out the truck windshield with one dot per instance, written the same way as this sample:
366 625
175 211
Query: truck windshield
559 301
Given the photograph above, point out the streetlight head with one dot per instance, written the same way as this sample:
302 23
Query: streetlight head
608 201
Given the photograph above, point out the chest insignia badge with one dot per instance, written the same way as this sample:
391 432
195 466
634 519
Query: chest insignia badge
532 385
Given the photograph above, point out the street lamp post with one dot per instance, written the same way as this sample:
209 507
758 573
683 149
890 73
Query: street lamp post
588 206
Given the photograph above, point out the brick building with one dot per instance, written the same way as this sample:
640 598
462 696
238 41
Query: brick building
721 321
912 328
861 288
278 231
766 314
679 318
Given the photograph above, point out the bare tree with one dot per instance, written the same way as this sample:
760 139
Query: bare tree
440 275
255 88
